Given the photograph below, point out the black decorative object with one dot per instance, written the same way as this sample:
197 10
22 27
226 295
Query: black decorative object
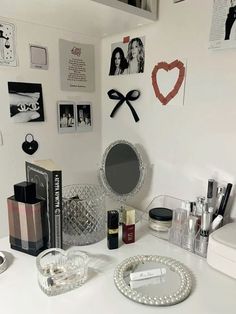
131 96
30 147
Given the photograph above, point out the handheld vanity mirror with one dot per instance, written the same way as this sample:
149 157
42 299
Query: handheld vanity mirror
153 280
122 171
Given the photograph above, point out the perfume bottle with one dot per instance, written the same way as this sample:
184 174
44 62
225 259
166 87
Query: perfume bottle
128 226
112 229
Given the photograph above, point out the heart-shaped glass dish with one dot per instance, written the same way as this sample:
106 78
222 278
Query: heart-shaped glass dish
60 271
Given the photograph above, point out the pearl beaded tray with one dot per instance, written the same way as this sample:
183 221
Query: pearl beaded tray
177 292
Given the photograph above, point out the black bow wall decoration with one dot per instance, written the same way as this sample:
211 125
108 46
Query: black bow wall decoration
130 96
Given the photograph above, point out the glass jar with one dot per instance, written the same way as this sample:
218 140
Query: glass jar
160 219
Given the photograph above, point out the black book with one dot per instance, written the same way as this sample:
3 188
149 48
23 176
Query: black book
48 179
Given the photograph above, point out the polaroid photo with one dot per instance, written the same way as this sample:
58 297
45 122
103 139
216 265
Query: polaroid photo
66 117
83 117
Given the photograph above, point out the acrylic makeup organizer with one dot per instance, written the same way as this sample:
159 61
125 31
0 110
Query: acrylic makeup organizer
176 233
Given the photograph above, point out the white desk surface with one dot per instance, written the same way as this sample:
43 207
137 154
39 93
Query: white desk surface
213 292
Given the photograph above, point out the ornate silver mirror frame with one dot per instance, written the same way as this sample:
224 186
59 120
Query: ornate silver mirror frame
139 167
173 288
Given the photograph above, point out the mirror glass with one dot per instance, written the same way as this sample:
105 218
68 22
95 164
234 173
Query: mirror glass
154 280
122 169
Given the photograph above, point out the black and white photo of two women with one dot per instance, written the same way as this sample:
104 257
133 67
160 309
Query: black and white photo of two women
128 57
142 4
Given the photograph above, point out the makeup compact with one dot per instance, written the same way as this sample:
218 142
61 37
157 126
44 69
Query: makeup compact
160 219
221 253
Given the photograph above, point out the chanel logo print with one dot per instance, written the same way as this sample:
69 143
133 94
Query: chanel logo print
28 107
26 102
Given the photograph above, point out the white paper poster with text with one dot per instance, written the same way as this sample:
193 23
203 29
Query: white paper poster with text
77 66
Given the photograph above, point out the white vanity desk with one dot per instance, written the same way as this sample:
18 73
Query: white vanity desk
213 292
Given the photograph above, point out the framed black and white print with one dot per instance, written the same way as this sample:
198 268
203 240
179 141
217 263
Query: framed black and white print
84 117
26 102
66 116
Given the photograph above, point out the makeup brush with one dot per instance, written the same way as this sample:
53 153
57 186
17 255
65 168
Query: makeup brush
225 199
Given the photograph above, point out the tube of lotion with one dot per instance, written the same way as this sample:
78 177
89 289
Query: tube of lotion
147 273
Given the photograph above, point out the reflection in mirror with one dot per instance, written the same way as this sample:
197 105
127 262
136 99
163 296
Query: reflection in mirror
122 171
153 280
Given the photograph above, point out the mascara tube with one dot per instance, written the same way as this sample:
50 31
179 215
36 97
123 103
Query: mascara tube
112 229
204 233
219 197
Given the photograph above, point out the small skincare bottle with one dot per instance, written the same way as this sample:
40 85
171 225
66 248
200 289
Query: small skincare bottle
128 226
112 229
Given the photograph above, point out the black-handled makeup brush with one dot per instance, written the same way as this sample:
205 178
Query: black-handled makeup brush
225 199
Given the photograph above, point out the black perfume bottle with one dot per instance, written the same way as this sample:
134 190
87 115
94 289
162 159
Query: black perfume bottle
112 229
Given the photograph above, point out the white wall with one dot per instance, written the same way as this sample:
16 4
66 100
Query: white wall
183 145
77 154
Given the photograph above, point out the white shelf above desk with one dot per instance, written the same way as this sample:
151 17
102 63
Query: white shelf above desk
87 17
132 9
